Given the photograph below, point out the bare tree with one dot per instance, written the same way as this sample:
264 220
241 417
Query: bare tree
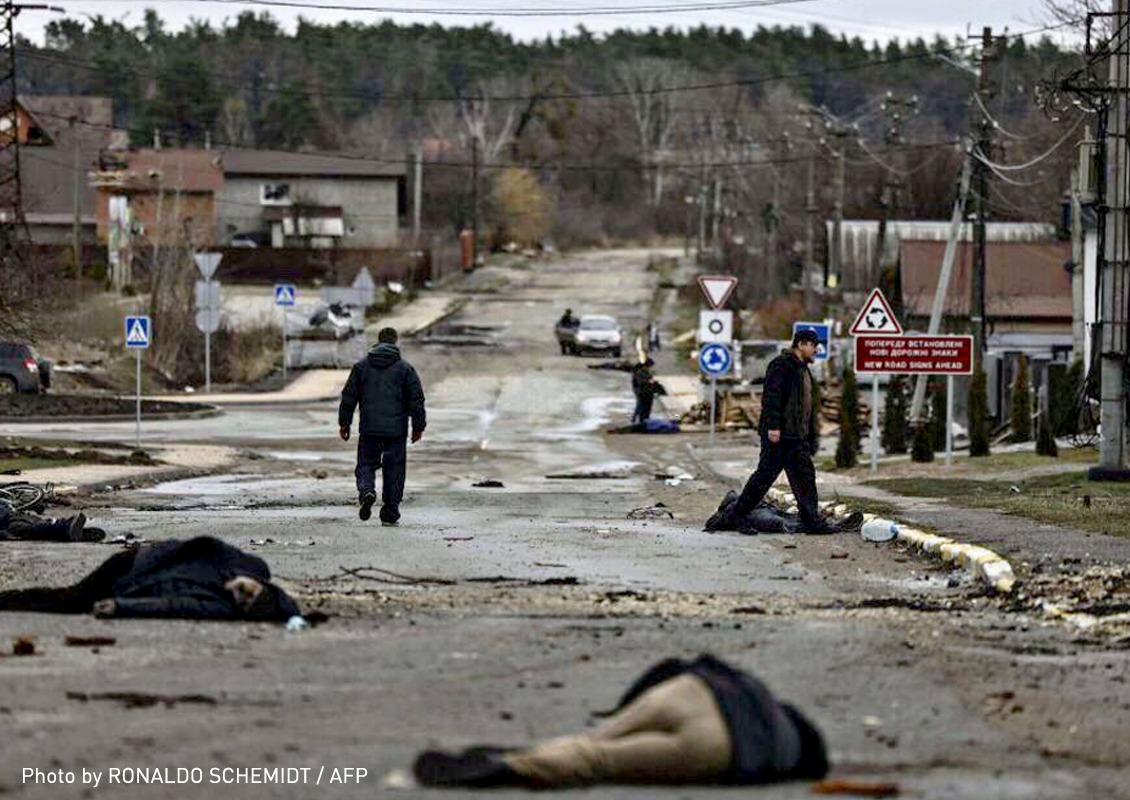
1075 11
486 120
653 111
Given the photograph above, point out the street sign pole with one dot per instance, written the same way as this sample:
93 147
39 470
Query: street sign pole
283 308
713 403
874 423
949 420
208 344
138 427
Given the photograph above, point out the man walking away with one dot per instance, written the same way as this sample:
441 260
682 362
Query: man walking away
642 377
388 390
789 436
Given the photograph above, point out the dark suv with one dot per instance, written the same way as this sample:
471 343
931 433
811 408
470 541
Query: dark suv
22 370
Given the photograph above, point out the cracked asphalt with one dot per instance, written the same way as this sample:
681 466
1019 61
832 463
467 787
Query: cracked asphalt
506 614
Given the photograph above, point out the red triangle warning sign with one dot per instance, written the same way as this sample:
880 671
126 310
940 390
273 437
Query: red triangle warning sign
717 288
876 318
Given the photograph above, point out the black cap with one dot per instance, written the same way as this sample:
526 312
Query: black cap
805 335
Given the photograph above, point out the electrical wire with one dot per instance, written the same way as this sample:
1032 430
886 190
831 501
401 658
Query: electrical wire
996 125
1004 176
586 11
1038 159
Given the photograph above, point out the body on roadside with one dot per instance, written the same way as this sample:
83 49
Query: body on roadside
26 526
201 578
389 394
682 722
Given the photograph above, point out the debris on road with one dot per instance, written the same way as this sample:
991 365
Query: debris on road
488 484
90 641
142 699
283 543
657 511
856 788
23 646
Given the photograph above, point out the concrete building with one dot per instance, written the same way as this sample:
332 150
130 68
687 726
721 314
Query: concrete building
308 200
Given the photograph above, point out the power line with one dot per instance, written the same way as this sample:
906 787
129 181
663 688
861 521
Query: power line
679 8
1032 162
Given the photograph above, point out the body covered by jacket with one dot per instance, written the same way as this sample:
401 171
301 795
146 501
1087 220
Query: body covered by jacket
782 402
771 741
388 391
186 579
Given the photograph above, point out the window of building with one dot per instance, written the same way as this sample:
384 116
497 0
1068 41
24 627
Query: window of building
274 194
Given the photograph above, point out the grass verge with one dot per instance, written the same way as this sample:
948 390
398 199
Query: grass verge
1069 500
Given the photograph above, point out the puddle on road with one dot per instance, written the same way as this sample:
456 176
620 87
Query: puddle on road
596 413
227 486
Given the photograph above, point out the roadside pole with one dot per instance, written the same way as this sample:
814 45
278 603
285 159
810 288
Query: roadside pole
713 404
286 296
874 423
949 420
714 359
138 336
207 303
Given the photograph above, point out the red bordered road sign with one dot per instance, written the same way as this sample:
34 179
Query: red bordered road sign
914 355
876 318
717 288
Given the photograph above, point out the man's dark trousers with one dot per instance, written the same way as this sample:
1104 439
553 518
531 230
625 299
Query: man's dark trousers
388 454
792 456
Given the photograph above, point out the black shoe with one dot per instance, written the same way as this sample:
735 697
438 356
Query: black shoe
367 501
472 768
78 522
93 534
852 522
390 515
821 528
723 518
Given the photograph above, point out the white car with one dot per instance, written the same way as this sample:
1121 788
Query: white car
598 333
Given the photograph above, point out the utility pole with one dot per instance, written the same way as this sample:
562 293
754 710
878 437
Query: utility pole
810 209
983 136
417 194
896 109
76 222
1115 266
474 202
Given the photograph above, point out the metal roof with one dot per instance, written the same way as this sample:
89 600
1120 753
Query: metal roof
281 164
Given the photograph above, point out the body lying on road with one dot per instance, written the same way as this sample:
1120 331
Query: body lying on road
682 722
26 526
201 578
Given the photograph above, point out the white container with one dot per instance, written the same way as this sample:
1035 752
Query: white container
879 530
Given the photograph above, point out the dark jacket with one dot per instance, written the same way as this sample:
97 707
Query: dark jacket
389 392
782 401
186 579
771 741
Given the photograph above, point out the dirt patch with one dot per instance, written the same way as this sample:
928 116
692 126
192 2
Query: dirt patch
41 455
75 405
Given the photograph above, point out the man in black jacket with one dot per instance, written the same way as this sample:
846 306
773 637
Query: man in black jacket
202 578
26 526
388 390
789 434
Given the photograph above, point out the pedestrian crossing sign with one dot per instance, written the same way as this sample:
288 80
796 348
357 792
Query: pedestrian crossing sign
138 332
285 294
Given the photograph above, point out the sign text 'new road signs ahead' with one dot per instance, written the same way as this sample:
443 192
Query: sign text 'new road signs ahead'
876 318
823 336
285 294
138 332
717 288
915 355
715 360
716 326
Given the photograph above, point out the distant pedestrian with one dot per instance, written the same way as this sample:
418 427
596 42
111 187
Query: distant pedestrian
789 434
653 343
388 391
642 379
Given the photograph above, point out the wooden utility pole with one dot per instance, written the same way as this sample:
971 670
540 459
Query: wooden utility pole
983 136
474 202
76 199
417 194
810 208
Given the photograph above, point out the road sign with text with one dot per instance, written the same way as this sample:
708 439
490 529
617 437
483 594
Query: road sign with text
914 355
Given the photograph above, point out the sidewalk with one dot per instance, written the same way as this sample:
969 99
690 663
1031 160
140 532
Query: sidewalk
179 459
416 317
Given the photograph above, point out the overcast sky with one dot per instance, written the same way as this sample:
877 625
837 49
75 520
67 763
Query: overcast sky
869 19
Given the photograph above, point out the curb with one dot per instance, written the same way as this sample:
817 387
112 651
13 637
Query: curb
983 564
164 416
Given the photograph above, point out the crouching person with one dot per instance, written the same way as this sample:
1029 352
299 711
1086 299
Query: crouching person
700 722
201 578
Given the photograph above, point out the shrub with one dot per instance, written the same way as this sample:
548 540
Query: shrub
936 428
847 450
923 450
894 417
979 415
1020 418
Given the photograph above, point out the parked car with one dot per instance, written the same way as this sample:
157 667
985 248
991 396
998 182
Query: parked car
22 370
597 333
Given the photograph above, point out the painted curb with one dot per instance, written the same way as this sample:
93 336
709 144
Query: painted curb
980 562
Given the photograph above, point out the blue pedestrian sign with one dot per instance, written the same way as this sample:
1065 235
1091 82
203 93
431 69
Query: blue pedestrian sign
715 360
823 336
285 293
138 332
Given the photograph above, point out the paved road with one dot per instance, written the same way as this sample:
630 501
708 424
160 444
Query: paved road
504 614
